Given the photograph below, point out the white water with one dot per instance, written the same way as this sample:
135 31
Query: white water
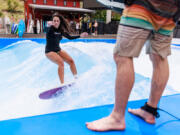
25 72
143 65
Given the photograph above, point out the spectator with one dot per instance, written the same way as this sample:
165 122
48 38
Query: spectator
78 28
95 27
7 24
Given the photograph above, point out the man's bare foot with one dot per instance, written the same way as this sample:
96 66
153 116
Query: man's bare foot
148 117
106 124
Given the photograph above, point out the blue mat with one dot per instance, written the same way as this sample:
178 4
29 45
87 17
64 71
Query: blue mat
73 122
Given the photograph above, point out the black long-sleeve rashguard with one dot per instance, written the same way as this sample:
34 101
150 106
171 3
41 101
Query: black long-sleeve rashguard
53 38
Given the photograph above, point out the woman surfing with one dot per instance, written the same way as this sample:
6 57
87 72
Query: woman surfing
57 29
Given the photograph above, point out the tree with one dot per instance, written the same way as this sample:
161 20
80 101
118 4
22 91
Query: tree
116 16
12 6
100 15
1 14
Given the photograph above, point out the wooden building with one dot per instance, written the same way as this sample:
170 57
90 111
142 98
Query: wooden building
42 10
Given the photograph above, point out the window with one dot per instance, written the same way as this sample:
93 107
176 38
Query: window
74 3
45 1
55 2
34 1
65 3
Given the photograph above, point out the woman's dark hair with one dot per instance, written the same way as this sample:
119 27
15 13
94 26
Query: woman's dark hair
64 25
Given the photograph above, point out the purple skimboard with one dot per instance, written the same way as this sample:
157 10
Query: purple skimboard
55 91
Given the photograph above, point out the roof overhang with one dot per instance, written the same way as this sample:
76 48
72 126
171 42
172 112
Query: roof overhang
59 8
93 4
112 4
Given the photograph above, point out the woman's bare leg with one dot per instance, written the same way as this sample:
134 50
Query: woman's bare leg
54 57
68 59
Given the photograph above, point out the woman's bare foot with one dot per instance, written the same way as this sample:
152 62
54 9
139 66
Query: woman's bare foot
146 116
106 124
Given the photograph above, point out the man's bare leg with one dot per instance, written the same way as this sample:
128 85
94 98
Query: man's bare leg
124 84
159 81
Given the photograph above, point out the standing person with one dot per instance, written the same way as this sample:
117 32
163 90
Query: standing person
7 24
59 28
77 27
80 26
142 20
95 27
1 23
89 25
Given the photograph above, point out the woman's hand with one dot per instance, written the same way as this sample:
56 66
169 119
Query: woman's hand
84 34
49 23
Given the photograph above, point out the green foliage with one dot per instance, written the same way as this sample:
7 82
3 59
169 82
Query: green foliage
100 15
12 6
1 14
116 16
